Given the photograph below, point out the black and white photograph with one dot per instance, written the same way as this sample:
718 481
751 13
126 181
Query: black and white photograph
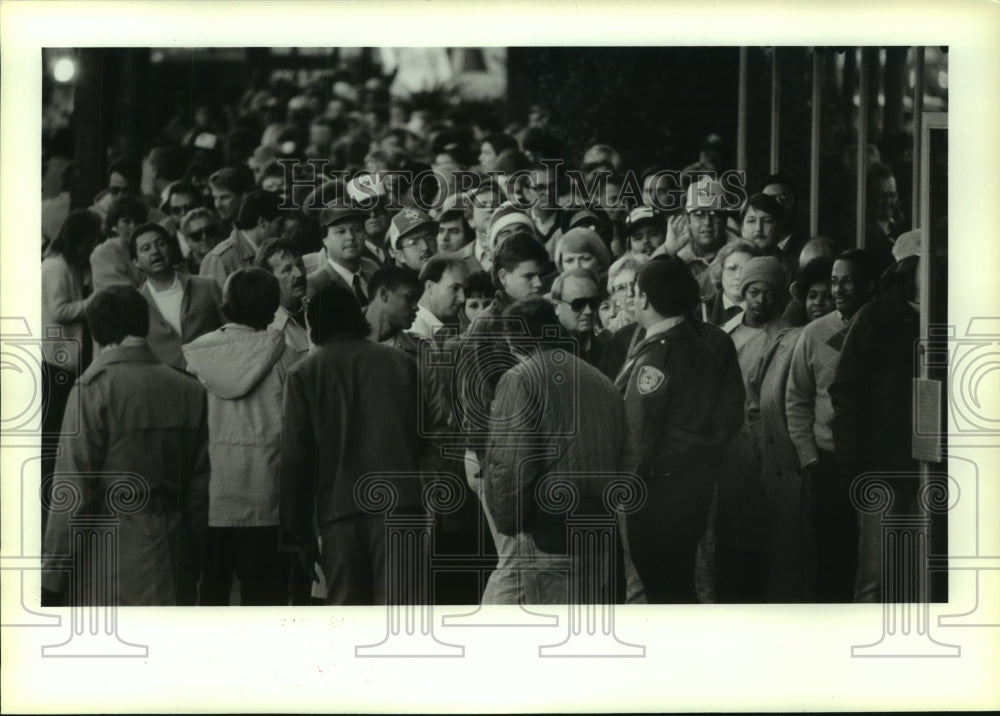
367 358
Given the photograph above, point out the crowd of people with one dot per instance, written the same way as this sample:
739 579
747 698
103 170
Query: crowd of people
264 320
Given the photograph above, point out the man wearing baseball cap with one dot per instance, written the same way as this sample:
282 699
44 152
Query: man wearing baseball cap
645 230
740 527
368 194
411 239
341 261
707 216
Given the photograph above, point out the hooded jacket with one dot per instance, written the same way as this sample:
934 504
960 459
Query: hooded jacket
244 371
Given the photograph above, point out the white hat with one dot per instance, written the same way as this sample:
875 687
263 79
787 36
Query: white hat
908 244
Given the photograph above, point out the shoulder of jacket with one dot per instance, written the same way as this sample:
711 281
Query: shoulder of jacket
223 246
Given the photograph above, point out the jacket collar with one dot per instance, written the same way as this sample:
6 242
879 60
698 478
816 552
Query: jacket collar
132 352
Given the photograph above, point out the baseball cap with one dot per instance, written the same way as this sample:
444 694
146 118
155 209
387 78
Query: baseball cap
406 222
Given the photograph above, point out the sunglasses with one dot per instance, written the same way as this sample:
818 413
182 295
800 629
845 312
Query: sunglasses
578 304
208 232
181 210
116 190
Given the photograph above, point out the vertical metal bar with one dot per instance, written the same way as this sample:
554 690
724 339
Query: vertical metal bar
918 138
863 111
741 114
775 110
817 98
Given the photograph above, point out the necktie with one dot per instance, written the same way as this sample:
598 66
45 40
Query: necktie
730 312
359 292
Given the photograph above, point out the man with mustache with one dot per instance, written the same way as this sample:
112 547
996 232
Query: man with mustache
411 239
646 229
341 261
282 258
181 307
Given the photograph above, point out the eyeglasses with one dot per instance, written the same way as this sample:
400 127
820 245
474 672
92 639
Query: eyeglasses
206 232
413 241
181 210
624 287
578 304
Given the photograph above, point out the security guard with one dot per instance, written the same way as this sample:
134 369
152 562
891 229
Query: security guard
674 381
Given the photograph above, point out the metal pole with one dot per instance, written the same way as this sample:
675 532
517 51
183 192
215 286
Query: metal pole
775 110
918 139
741 114
817 98
863 110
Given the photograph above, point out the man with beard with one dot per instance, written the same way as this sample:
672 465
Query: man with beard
764 223
282 258
181 307
576 296
341 261
645 229
443 279
394 293
411 239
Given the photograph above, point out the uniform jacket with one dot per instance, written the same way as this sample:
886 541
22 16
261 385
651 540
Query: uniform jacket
872 390
63 307
350 410
244 371
110 265
581 417
141 417
672 387
200 313
227 257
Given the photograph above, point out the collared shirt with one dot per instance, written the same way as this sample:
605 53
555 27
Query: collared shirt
784 243
348 276
479 252
728 303
425 324
663 326
295 334
249 240
376 251
168 300
126 342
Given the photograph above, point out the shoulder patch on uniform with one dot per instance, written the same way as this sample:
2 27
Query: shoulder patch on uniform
649 379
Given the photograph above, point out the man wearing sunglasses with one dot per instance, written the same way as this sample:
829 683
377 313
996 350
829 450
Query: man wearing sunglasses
576 297
201 230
